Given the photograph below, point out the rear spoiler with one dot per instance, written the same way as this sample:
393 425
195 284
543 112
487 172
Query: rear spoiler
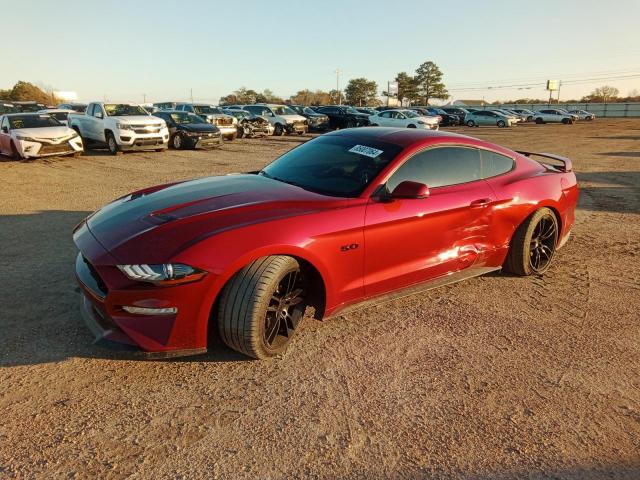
566 166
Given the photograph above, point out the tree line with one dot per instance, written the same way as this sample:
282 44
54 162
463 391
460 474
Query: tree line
25 91
425 85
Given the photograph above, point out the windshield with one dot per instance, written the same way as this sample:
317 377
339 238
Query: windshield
332 165
410 114
353 110
185 118
33 121
239 114
123 110
59 115
282 110
206 109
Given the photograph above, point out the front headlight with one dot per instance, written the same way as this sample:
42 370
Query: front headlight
123 126
163 275
25 139
421 122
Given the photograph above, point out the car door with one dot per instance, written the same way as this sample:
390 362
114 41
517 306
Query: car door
399 119
384 118
409 241
5 136
484 118
97 123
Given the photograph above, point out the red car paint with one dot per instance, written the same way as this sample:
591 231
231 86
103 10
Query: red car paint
361 247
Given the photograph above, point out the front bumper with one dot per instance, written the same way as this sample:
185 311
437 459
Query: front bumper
204 140
296 128
227 130
105 290
131 141
28 149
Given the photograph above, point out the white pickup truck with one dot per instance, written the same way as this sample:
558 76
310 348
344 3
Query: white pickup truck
121 126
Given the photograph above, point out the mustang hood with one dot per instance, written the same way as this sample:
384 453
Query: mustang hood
152 225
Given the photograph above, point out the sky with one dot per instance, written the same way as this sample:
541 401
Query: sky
161 50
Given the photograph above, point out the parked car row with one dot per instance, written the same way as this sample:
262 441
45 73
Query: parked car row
71 127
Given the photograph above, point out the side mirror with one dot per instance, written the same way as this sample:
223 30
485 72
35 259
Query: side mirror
5 129
409 189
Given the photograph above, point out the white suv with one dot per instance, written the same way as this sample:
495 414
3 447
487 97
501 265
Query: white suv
553 116
121 126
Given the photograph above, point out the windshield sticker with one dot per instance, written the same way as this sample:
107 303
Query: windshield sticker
368 151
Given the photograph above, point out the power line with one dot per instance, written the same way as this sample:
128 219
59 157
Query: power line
527 86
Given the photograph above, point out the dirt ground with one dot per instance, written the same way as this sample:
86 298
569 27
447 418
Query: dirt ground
494 378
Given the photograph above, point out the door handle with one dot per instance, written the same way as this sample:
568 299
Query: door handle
482 202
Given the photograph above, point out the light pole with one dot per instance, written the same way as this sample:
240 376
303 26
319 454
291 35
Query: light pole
338 72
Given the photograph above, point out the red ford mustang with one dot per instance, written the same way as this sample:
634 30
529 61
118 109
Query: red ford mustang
351 217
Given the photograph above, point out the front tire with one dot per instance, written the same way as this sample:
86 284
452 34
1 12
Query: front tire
177 142
471 123
539 121
261 307
533 244
411 126
114 149
278 130
15 155
501 124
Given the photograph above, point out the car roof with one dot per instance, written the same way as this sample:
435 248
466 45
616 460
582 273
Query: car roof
400 136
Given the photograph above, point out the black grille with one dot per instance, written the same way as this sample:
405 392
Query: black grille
89 277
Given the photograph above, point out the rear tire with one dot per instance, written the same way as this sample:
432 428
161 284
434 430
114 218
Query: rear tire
539 121
533 244
261 306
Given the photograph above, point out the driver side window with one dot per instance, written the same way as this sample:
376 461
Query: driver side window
439 167
96 110
5 123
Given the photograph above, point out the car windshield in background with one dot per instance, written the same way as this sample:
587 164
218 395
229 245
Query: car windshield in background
333 165
410 114
33 121
283 111
60 115
123 110
206 109
308 111
353 110
184 118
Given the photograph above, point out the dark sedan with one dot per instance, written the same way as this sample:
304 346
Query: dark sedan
459 111
342 116
317 121
188 130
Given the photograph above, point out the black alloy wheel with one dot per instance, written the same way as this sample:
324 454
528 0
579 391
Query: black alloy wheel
543 243
285 310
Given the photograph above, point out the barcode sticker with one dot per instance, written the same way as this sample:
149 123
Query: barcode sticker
364 150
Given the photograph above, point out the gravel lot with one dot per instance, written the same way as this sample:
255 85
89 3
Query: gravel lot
497 377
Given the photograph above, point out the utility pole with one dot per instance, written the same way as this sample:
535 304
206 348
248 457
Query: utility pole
191 93
338 72
559 85
144 98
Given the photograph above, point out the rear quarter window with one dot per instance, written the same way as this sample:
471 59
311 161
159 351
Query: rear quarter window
494 164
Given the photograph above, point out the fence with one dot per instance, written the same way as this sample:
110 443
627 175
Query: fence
599 109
